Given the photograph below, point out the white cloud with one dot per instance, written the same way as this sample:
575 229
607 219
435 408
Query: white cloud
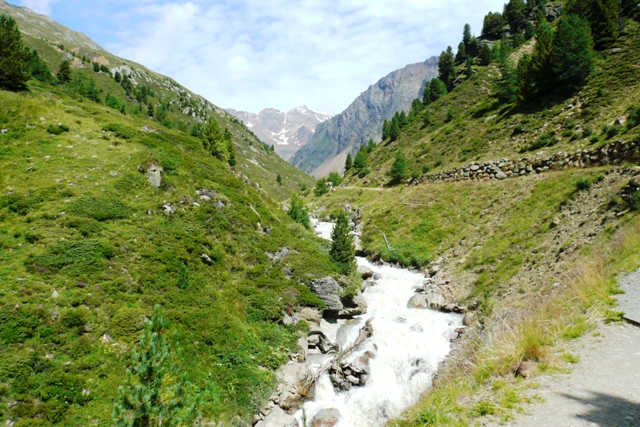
40 6
252 54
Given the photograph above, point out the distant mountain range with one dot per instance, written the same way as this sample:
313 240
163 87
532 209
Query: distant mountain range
286 131
363 119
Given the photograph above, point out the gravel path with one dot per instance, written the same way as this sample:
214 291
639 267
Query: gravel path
603 389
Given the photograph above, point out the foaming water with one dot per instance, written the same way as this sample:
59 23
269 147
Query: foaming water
407 346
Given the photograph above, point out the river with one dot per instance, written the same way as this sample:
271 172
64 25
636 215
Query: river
407 346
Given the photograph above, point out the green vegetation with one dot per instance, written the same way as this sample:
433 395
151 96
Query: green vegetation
342 247
154 393
298 212
13 56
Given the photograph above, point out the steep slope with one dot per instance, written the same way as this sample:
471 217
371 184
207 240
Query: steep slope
173 106
363 119
286 131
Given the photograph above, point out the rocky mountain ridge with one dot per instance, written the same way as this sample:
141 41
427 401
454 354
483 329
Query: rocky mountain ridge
363 119
286 131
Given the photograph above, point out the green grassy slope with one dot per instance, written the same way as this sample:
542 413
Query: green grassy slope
78 218
175 107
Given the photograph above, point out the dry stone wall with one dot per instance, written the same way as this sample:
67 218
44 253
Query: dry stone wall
614 153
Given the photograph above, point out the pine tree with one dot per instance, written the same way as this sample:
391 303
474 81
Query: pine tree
529 30
334 178
572 56
228 138
155 393
342 246
213 140
602 15
447 68
13 56
37 68
298 212
434 90
541 58
279 179
360 161
492 27
96 67
117 77
461 54
394 131
398 170
468 69
321 187
526 82
466 36
485 55
64 72
514 13
385 130
348 164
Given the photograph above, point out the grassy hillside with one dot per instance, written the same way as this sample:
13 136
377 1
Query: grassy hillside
87 250
174 107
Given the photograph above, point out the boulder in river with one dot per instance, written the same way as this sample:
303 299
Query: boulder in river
328 417
278 418
365 272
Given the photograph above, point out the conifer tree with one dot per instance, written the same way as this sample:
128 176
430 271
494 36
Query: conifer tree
117 77
493 25
348 164
394 131
279 179
434 90
321 187
529 30
342 246
461 54
468 69
485 55
426 118
228 138
360 161
541 57
572 55
447 68
602 15
155 393
64 72
514 13
398 170
371 145
466 36
385 130
13 56
298 212
213 140
37 68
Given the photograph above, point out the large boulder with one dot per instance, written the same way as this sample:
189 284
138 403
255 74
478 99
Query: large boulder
292 388
326 418
278 418
430 300
328 290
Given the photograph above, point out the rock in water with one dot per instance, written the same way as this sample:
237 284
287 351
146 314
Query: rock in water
326 418
328 290
365 272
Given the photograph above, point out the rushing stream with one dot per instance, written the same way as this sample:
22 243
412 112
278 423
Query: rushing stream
407 345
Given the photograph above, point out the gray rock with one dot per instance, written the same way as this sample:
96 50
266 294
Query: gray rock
328 290
365 272
55 294
154 175
418 301
3 131
326 418
311 315
467 320
501 175
303 347
435 301
353 306
278 418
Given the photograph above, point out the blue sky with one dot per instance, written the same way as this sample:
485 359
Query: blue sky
254 54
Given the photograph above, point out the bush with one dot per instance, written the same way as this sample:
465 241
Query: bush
583 183
120 131
587 132
612 131
74 257
406 254
545 140
634 201
57 129
100 208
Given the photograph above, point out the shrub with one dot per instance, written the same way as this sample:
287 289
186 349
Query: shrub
634 201
612 131
298 212
120 131
57 129
74 257
583 183
545 140
100 208
406 254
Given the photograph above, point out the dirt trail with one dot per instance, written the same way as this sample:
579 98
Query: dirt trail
602 390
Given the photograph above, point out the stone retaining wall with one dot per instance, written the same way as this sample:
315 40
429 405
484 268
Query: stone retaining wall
612 154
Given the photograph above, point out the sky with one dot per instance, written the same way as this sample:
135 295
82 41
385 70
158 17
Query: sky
254 54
